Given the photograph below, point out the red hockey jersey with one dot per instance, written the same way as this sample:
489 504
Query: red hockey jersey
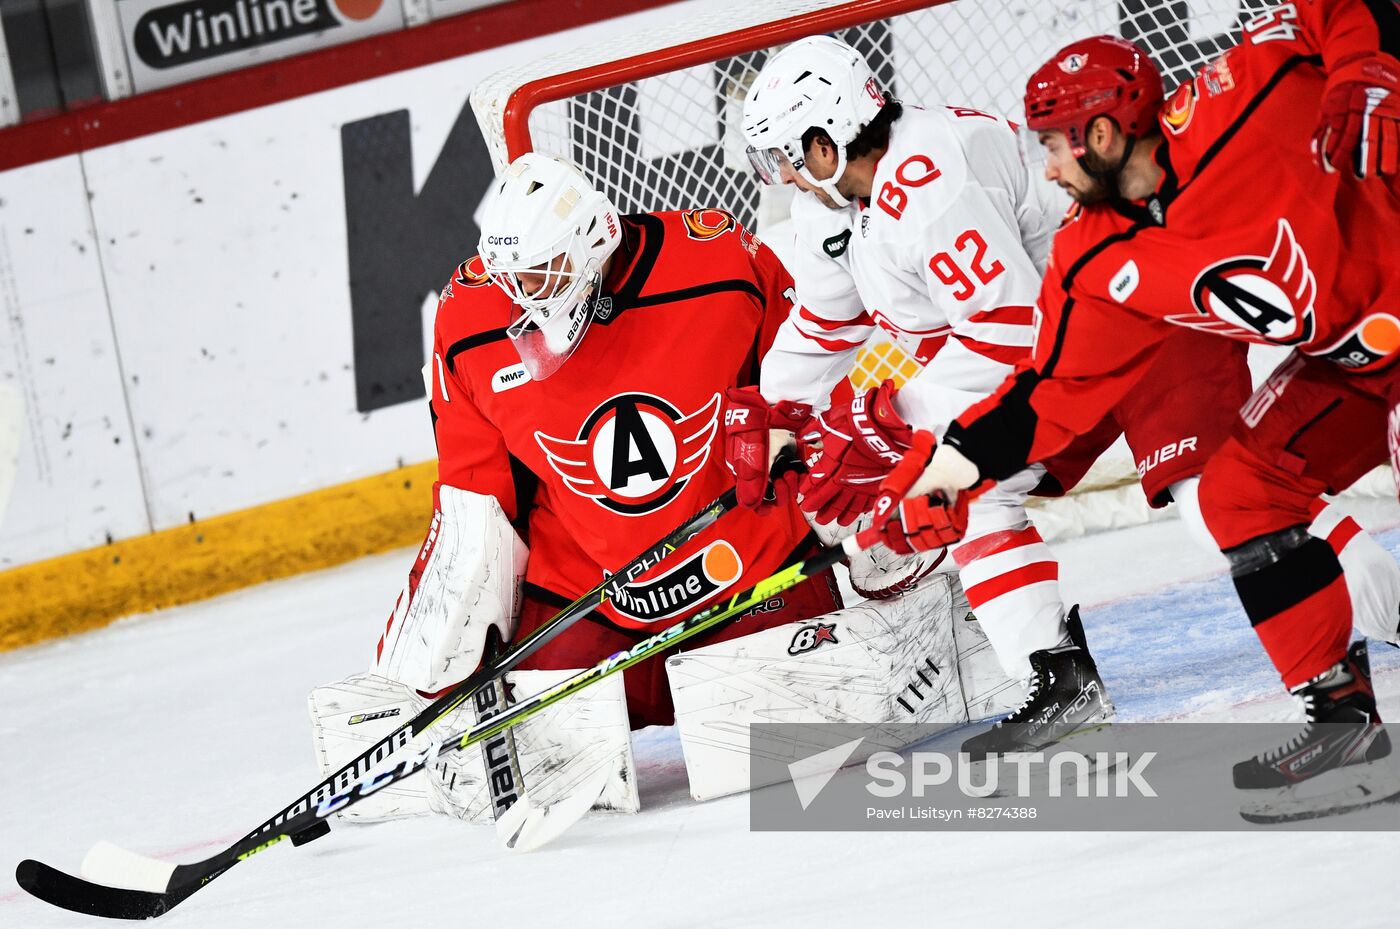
623 443
1245 237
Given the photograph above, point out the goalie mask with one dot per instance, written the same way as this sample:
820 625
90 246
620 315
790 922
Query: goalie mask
817 83
545 238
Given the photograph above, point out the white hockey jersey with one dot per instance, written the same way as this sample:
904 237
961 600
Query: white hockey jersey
946 257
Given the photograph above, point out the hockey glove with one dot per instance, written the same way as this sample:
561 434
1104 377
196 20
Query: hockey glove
1360 121
860 444
907 521
750 445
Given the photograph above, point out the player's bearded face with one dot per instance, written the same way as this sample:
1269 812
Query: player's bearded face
1064 169
820 170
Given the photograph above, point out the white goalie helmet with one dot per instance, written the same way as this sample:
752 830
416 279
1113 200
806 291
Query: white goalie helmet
815 83
546 235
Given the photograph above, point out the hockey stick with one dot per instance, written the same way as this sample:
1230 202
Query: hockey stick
377 753
151 888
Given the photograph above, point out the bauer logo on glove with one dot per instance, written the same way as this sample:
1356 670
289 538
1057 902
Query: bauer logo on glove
860 443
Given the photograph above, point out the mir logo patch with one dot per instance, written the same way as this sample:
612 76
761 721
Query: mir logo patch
836 246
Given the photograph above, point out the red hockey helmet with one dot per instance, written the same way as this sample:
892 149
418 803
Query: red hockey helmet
1100 76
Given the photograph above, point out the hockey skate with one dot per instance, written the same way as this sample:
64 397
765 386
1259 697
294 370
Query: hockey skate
1064 696
1333 764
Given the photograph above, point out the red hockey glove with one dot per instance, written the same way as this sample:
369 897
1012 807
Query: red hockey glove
748 447
860 444
908 524
1360 121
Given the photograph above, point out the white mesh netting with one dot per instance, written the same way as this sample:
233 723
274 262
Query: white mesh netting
671 140
657 136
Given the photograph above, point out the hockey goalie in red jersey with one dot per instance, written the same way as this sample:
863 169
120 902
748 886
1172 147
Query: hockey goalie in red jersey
578 368
1260 203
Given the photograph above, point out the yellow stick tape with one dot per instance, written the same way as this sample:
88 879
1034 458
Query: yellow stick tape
89 589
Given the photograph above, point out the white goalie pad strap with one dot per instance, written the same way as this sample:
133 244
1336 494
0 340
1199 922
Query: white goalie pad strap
886 661
348 717
547 756
465 581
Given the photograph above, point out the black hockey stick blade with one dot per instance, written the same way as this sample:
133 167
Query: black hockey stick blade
82 896
73 893
182 881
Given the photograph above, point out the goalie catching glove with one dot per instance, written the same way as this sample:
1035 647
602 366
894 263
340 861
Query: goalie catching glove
1360 121
919 507
751 445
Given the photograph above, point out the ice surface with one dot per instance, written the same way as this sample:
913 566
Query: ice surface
173 734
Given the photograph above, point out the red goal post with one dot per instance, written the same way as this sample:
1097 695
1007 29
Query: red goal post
653 116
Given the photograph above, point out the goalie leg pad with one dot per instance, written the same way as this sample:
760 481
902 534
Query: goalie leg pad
546 756
889 661
987 691
348 717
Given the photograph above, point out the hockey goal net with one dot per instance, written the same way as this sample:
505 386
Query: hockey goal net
654 117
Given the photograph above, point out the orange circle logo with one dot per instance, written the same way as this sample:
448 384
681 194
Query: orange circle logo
358 9
1381 334
707 224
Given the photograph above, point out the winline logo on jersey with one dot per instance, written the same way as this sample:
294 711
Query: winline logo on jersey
679 590
181 33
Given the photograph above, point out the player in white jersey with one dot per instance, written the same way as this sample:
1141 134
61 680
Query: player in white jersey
923 223
946 258
934 249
